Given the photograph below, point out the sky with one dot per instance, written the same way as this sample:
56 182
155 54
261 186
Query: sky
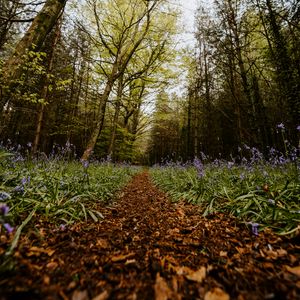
188 8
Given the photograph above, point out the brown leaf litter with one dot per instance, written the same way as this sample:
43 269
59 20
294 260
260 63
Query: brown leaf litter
149 248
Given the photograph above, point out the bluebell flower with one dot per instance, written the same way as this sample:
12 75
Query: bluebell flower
85 163
8 228
4 196
19 189
25 180
62 227
271 201
280 126
4 209
199 167
254 228
230 164
242 176
298 127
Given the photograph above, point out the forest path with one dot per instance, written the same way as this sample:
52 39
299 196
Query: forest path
149 248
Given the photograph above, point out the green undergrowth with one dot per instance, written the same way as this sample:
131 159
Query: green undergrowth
59 191
264 194
66 191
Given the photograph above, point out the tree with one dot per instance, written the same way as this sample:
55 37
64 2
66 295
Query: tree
33 39
122 29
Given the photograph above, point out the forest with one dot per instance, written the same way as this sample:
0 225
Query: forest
108 78
140 160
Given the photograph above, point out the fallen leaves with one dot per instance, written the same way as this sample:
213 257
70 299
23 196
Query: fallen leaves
216 294
52 265
80 295
294 270
122 257
103 296
102 243
174 254
197 276
161 289
36 251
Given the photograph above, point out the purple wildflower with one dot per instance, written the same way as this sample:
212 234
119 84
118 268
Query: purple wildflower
19 189
230 164
4 209
4 196
85 164
8 228
280 126
199 167
298 127
25 180
254 228
62 227
271 201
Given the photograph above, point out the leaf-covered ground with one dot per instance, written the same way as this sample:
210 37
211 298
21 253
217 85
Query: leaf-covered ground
148 248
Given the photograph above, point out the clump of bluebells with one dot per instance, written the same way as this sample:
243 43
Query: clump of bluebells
199 167
4 210
59 188
263 190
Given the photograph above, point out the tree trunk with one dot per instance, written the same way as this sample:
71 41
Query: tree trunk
101 114
32 40
116 116
45 92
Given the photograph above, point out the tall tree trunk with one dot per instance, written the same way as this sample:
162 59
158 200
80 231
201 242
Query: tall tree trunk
45 91
111 147
32 40
101 113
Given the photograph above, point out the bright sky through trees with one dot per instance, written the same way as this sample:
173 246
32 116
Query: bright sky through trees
188 8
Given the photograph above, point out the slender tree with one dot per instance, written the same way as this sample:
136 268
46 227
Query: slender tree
33 39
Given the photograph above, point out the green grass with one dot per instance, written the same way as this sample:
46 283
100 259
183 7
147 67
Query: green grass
262 194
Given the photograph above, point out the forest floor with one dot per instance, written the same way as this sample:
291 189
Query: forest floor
147 247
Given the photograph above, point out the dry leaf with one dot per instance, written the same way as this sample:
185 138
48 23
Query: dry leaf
162 291
173 231
102 296
46 280
197 276
35 251
223 253
294 270
216 294
80 295
102 244
183 270
130 262
72 285
241 250
282 252
122 257
52 265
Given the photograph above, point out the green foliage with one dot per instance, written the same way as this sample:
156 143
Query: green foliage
60 191
263 193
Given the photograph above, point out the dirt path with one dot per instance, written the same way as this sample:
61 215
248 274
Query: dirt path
149 248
